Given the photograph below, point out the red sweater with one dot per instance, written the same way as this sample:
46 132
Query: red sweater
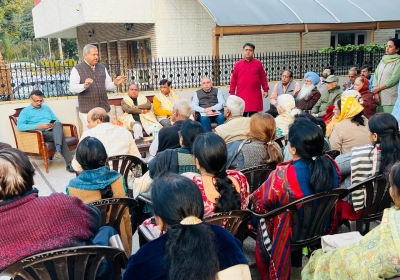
247 78
32 224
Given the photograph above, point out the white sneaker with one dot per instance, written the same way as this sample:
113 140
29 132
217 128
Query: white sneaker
57 155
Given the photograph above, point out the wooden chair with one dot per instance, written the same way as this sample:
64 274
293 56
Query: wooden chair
78 263
376 200
112 212
308 227
32 142
257 175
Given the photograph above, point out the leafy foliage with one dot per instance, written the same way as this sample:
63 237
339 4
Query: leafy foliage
372 47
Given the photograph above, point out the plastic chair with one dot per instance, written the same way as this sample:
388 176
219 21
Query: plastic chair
112 212
307 228
125 164
376 200
76 263
257 175
32 142
234 221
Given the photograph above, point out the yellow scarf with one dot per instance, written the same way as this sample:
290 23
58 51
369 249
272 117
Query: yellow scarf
166 102
351 106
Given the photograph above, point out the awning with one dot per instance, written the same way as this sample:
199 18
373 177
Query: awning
270 12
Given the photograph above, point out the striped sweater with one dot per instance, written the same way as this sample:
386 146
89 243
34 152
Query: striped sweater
365 163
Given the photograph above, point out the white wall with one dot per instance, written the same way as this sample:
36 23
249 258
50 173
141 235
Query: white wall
183 28
52 18
383 35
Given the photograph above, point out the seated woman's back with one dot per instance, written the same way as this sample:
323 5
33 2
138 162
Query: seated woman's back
97 181
310 172
222 190
261 147
190 248
31 224
350 126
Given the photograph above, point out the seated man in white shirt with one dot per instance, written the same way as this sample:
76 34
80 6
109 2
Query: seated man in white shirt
116 139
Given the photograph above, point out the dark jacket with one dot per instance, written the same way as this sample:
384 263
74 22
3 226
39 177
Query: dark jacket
307 104
168 137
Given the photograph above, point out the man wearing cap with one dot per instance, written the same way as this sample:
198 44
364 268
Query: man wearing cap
327 98
308 95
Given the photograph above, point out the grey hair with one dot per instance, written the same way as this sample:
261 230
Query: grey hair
184 107
86 49
235 105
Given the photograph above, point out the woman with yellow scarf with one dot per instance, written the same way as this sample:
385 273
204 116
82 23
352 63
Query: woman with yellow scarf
386 77
349 128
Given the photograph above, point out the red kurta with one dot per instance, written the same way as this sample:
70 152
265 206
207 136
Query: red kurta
247 78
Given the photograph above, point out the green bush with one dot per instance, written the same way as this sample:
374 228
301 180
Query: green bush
372 47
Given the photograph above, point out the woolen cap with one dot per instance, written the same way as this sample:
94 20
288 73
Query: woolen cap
331 79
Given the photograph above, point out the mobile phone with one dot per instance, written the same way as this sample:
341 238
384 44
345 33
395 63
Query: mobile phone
52 121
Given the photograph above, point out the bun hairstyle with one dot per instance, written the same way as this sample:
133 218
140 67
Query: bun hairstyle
210 150
190 251
308 139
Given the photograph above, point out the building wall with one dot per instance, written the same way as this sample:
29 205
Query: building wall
383 35
111 32
183 28
274 42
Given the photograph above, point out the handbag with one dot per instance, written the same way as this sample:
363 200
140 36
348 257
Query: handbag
330 242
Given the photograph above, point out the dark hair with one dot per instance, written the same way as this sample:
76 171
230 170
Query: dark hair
210 150
189 131
308 139
394 177
36 92
250 45
357 119
290 72
330 69
165 81
16 173
91 153
396 43
387 129
313 119
190 251
369 67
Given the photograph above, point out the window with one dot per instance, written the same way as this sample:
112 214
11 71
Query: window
346 38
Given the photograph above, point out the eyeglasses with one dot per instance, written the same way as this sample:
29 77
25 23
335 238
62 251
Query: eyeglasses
37 101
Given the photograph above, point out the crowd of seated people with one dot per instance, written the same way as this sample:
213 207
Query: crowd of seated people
210 161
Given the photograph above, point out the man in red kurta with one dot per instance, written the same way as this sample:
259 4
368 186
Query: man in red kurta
247 78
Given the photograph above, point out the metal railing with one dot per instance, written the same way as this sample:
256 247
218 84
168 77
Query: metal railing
184 72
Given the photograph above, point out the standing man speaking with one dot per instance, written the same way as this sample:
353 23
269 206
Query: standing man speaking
247 78
91 81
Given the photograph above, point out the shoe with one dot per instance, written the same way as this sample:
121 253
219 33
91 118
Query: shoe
70 168
57 155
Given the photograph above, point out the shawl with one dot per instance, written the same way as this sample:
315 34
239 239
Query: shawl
166 102
375 256
148 120
94 179
388 58
351 106
274 235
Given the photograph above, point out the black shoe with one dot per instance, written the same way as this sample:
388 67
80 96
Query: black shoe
70 168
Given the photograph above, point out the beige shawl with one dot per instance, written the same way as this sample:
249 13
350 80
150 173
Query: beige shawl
148 120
